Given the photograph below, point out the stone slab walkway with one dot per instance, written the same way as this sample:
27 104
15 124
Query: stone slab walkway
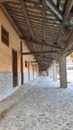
7 103
43 107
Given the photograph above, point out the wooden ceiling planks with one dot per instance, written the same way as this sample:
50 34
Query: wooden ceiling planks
37 21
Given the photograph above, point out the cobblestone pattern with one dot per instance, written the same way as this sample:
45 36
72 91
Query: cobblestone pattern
44 107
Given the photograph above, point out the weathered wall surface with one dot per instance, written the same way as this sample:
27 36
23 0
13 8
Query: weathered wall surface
29 71
6 74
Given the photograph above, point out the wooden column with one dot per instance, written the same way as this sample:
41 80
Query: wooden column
62 71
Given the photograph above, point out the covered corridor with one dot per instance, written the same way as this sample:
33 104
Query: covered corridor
45 106
36 36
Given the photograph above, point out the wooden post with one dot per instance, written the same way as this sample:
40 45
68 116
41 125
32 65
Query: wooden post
63 73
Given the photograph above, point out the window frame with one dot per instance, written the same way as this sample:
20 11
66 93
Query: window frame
4 35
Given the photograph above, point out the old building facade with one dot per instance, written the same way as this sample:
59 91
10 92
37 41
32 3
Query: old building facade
11 64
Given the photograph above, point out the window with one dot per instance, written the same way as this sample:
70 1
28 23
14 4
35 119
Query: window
25 63
4 36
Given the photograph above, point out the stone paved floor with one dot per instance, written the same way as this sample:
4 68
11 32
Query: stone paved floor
44 107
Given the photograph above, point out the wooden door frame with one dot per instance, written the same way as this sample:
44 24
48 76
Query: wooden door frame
21 62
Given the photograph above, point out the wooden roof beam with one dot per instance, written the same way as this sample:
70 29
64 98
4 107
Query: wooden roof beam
44 60
27 18
67 11
58 3
26 15
54 9
44 9
44 22
38 52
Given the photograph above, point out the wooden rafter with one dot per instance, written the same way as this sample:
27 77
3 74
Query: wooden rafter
44 8
54 9
65 6
26 15
44 22
58 3
27 18
67 11
1 1
37 52
36 3
44 60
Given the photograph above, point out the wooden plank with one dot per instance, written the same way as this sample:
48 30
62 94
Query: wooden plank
5 1
35 13
36 3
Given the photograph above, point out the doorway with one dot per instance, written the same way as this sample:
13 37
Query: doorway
14 68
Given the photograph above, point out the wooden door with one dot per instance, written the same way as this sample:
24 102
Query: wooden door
14 68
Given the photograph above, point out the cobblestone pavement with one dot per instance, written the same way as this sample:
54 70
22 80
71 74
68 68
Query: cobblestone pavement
44 107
